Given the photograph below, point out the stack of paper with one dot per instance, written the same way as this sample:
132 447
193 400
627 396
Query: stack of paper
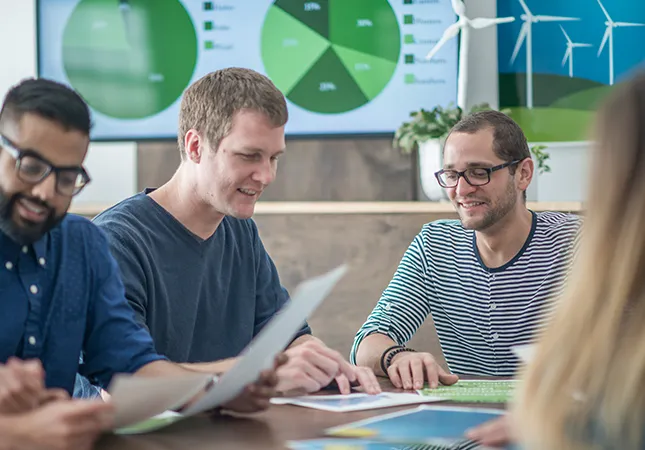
425 425
355 402
138 399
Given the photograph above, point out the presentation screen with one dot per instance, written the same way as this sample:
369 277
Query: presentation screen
346 67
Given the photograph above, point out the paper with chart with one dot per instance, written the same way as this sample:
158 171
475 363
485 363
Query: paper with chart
138 398
438 425
274 338
474 391
355 402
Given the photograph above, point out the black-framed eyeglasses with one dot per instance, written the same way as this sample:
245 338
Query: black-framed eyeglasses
476 176
33 169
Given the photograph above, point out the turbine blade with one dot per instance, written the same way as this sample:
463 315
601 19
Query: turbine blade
565 34
555 18
567 55
483 22
451 32
520 40
581 44
604 11
604 40
629 24
525 8
458 7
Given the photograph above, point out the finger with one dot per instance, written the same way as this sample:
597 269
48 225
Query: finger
395 378
367 379
296 380
91 410
280 360
267 378
313 371
343 366
406 375
416 368
311 356
53 395
432 373
446 378
343 384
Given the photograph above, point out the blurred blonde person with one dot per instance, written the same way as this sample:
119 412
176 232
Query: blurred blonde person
586 386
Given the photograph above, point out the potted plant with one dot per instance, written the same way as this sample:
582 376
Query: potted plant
427 132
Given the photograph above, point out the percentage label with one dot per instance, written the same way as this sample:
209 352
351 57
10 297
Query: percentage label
364 23
362 66
312 6
290 42
327 86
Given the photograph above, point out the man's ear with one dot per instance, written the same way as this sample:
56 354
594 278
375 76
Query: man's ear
524 173
193 146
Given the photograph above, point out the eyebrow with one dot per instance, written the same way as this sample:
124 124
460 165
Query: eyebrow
471 165
259 150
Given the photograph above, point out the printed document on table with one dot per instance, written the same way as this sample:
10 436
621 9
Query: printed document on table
355 402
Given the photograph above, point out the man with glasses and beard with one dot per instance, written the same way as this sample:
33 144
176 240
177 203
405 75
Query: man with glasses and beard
60 290
488 279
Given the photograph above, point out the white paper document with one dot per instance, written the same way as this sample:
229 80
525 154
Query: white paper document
525 352
355 402
273 339
139 398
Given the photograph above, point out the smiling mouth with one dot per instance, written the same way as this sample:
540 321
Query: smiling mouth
249 192
469 205
32 211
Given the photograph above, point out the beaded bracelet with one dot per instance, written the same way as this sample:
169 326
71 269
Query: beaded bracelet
383 368
388 362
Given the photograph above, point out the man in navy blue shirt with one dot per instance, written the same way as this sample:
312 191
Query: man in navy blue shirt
193 264
60 290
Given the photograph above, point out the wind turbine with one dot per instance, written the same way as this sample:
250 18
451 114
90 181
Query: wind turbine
463 25
526 33
609 36
569 53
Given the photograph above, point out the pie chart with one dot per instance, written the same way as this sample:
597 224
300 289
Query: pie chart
129 59
331 56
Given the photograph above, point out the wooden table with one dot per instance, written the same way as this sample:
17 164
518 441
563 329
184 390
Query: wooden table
269 430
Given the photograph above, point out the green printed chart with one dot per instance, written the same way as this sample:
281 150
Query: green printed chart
474 391
331 56
123 59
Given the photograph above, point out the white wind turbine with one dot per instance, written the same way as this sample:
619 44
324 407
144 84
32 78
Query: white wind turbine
463 25
569 53
609 36
526 33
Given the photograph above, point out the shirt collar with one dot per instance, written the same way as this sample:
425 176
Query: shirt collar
10 249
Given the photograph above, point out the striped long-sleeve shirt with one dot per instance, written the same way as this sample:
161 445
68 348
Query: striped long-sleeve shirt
479 313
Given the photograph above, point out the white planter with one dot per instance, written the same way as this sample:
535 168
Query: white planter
429 163
567 181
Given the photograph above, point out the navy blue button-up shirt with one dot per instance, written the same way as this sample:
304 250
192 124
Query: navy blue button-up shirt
63 295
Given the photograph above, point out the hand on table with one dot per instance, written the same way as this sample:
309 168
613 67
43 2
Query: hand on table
312 366
494 433
62 425
410 370
256 397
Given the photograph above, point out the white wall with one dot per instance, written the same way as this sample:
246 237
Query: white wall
112 166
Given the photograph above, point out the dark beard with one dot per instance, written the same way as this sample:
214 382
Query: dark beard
29 232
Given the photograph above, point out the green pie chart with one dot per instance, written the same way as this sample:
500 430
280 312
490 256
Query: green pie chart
129 59
331 56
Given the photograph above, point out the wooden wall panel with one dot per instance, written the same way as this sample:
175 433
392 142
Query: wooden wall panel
307 245
311 170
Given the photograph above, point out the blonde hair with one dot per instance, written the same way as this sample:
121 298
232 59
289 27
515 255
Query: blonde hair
585 387
210 103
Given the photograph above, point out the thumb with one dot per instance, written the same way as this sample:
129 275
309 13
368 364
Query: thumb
446 378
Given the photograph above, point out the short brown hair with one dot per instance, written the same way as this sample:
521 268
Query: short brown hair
209 104
509 141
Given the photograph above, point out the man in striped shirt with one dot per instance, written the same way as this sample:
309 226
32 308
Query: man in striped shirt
488 279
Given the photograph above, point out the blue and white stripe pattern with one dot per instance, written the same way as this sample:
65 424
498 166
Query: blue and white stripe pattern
479 313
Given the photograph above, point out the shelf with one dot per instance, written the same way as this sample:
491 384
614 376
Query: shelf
358 208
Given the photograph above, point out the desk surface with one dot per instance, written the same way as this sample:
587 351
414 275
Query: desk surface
269 430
